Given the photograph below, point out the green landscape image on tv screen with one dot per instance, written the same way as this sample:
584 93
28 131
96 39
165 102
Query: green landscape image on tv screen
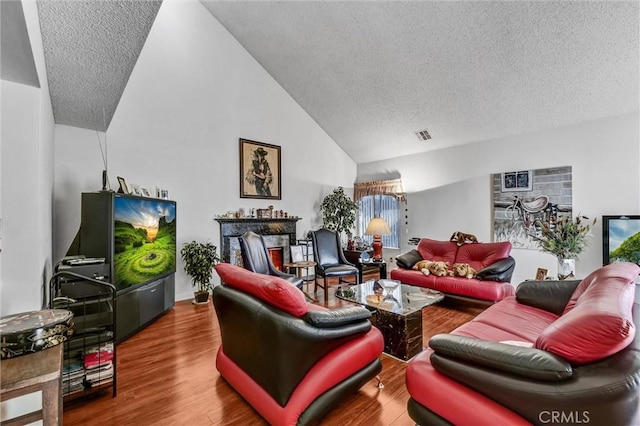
144 240
624 239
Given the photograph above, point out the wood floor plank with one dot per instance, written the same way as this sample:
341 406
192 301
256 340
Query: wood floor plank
167 376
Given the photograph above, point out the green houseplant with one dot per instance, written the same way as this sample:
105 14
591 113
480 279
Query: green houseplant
565 238
339 212
199 260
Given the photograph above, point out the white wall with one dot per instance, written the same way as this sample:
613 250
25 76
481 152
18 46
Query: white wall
21 200
26 184
450 190
192 94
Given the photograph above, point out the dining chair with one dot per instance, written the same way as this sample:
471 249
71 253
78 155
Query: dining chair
330 260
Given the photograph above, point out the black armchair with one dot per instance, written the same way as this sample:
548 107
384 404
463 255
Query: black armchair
255 258
330 259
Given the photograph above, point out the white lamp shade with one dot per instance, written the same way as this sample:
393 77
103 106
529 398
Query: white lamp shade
377 226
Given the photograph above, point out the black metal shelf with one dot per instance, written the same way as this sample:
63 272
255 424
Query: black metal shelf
90 351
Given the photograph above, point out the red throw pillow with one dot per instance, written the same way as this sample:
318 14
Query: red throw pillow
275 291
599 322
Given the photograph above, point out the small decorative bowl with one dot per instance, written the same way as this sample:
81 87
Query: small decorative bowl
390 285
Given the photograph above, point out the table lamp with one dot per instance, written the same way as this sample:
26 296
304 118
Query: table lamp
377 227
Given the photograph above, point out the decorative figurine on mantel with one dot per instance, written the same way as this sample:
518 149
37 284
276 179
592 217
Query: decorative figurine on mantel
253 213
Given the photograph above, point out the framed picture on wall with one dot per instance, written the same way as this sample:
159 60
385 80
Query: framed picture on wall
518 216
260 175
517 181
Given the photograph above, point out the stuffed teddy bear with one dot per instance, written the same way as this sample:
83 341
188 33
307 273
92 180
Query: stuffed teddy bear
422 264
460 238
439 269
463 270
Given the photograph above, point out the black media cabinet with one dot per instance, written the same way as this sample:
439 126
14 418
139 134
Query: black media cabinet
137 305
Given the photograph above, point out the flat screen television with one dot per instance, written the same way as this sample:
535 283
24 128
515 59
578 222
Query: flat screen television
144 240
620 239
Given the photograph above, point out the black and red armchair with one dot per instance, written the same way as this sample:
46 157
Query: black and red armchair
290 360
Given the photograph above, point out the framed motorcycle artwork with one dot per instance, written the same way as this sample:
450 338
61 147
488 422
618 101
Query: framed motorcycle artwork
523 201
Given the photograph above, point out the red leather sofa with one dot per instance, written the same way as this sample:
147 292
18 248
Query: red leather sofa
290 360
491 260
581 366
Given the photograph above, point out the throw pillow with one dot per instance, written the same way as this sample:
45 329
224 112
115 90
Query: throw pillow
275 291
408 259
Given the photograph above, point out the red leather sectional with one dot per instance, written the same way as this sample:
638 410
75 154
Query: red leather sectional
491 260
558 352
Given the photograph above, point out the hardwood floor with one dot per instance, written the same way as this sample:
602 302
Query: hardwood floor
167 376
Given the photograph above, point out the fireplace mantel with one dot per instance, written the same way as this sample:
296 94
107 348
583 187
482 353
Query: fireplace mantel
234 228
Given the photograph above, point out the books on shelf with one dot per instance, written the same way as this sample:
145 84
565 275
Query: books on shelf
100 375
94 368
98 355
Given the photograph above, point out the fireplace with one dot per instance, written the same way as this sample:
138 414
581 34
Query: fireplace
277 233
277 258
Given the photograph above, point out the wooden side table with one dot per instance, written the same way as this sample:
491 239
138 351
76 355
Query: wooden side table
37 371
381 265
353 256
299 267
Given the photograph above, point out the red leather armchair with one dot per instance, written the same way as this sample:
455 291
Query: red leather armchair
290 360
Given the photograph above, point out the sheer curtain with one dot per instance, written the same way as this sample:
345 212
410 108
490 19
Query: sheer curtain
386 207
380 199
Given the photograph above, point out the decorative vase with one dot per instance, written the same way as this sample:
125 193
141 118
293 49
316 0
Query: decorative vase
566 268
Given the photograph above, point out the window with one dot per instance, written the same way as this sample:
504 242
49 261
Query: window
386 207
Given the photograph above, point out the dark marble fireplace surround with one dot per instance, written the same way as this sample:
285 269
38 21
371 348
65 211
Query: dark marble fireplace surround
276 233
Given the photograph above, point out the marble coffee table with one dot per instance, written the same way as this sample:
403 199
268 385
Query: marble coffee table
397 312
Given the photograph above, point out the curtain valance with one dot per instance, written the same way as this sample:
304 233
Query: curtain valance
379 187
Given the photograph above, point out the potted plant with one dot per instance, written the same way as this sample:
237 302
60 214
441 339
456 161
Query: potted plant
339 212
199 260
564 238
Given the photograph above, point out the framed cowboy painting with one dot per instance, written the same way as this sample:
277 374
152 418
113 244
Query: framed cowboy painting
260 175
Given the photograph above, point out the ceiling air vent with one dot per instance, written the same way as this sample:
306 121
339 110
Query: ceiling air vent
423 135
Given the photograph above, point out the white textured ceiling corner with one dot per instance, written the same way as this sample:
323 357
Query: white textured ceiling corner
373 73
90 49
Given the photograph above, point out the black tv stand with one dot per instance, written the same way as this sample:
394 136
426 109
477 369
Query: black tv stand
139 306
136 306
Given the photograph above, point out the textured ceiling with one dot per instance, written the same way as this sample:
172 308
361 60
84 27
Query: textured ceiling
373 73
90 48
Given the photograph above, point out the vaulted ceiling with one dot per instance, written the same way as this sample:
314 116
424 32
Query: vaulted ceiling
371 74
90 49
